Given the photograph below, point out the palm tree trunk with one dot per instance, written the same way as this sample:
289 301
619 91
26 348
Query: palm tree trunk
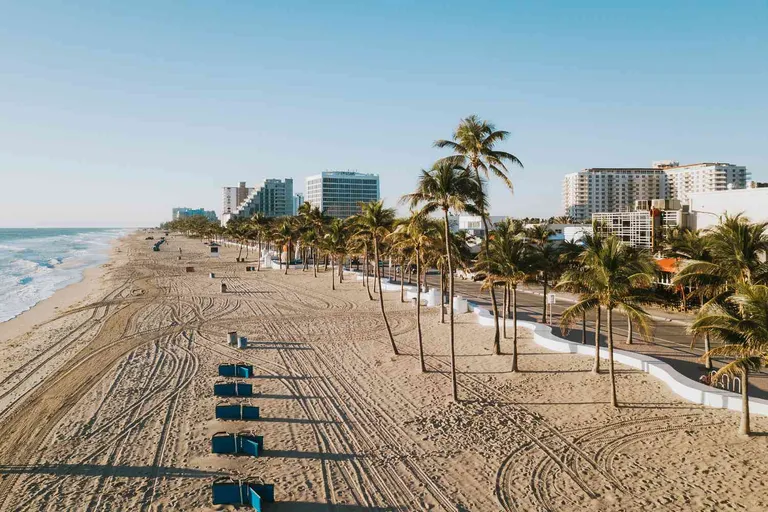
442 296
629 330
505 308
450 310
707 360
240 252
544 302
418 318
381 295
314 261
496 340
514 328
287 257
258 262
402 281
596 367
333 277
744 426
583 327
614 401
366 280
341 269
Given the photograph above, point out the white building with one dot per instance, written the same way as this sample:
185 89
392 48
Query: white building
472 224
705 177
598 190
575 232
633 228
644 227
610 190
231 197
707 207
339 193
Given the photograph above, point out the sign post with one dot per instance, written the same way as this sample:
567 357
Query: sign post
551 301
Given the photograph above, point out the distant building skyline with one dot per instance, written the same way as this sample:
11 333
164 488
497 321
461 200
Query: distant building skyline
182 212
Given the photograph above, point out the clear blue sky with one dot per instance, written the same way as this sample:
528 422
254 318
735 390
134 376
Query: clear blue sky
114 112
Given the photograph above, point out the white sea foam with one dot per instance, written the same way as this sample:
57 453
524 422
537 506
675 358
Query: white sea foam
36 263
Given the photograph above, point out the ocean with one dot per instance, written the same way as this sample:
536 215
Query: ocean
34 263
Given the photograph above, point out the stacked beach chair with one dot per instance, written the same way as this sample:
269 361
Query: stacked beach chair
227 491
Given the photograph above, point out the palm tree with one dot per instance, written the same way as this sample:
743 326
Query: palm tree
738 252
447 186
512 256
417 233
260 227
306 231
685 246
741 323
474 144
547 260
730 253
492 264
573 279
335 244
375 222
474 141
617 274
284 236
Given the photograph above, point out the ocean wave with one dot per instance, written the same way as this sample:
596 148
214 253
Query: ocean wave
36 263
13 248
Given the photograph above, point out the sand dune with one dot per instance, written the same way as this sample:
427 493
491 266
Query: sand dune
109 405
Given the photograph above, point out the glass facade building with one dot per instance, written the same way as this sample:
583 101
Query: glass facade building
339 193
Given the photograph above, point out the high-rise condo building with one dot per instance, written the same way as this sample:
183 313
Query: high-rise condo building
231 197
598 190
339 193
273 198
609 190
706 177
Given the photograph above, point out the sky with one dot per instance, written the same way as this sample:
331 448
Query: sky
112 113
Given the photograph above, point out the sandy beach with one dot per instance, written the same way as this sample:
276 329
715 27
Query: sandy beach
106 403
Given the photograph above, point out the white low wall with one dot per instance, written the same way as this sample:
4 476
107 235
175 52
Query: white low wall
681 385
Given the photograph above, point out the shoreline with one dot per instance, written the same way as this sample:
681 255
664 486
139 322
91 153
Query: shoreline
62 299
